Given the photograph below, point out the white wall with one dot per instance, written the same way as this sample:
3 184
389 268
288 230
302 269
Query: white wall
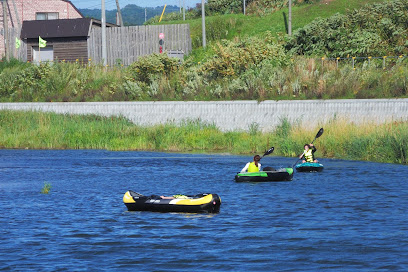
235 115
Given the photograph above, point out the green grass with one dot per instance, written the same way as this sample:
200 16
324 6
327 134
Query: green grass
35 130
231 26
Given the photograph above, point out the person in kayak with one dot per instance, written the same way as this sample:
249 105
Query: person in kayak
254 166
308 153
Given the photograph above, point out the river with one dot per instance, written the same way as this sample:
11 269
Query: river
350 217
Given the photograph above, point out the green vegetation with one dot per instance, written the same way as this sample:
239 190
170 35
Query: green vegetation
46 189
381 143
266 16
252 69
252 63
375 30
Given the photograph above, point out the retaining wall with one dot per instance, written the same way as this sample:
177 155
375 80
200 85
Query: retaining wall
234 115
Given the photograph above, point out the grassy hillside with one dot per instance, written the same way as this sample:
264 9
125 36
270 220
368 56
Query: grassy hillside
237 25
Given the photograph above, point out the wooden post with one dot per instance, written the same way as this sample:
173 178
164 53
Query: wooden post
203 22
184 10
290 19
119 13
6 33
103 20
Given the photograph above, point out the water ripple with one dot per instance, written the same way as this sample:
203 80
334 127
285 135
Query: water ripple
329 221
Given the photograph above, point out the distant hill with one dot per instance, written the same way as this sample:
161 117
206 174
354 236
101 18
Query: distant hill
131 14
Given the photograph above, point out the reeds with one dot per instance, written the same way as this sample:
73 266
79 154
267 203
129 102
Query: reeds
341 139
46 188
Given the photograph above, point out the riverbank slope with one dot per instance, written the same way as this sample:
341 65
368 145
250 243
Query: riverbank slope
34 130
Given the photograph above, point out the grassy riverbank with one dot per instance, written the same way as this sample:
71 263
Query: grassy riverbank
34 130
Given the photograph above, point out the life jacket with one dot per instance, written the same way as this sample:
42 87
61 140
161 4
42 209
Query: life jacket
309 155
252 167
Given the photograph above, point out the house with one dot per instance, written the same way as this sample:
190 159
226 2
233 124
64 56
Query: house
67 39
29 10
71 37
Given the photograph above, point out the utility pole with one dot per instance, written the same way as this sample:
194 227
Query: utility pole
119 13
145 15
203 22
6 35
290 18
17 17
103 20
244 7
184 10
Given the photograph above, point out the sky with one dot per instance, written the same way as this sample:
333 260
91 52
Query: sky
111 4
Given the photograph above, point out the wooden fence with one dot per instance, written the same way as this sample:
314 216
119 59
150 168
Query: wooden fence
126 44
17 53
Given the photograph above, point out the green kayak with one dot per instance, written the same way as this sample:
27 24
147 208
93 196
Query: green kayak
284 174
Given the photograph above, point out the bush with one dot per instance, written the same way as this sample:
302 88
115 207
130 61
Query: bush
234 58
375 30
153 65
224 6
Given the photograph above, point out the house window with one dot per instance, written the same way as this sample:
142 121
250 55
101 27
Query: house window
47 15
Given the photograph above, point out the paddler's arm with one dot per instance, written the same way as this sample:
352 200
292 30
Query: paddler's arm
245 168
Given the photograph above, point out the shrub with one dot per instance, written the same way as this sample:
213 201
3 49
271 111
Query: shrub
153 65
376 30
233 58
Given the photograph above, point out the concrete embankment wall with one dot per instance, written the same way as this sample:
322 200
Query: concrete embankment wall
235 115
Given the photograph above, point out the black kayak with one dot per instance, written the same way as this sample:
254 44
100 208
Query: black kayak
309 167
201 203
284 174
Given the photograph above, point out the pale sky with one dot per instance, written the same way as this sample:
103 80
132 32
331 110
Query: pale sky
111 4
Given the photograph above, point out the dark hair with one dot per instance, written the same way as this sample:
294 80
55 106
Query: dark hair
308 145
257 158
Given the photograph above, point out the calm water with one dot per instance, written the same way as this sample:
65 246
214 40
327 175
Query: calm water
351 217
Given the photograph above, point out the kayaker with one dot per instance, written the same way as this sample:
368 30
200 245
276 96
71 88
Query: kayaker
308 153
254 166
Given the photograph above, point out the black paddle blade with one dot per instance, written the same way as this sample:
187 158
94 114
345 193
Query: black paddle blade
319 133
270 150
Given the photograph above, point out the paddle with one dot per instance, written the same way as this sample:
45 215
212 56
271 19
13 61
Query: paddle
270 150
319 133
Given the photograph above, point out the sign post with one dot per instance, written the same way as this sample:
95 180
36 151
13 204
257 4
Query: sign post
161 42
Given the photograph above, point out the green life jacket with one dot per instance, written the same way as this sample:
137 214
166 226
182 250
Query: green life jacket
252 167
309 155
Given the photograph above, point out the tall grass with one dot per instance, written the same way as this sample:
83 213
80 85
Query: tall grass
260 70
35 130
